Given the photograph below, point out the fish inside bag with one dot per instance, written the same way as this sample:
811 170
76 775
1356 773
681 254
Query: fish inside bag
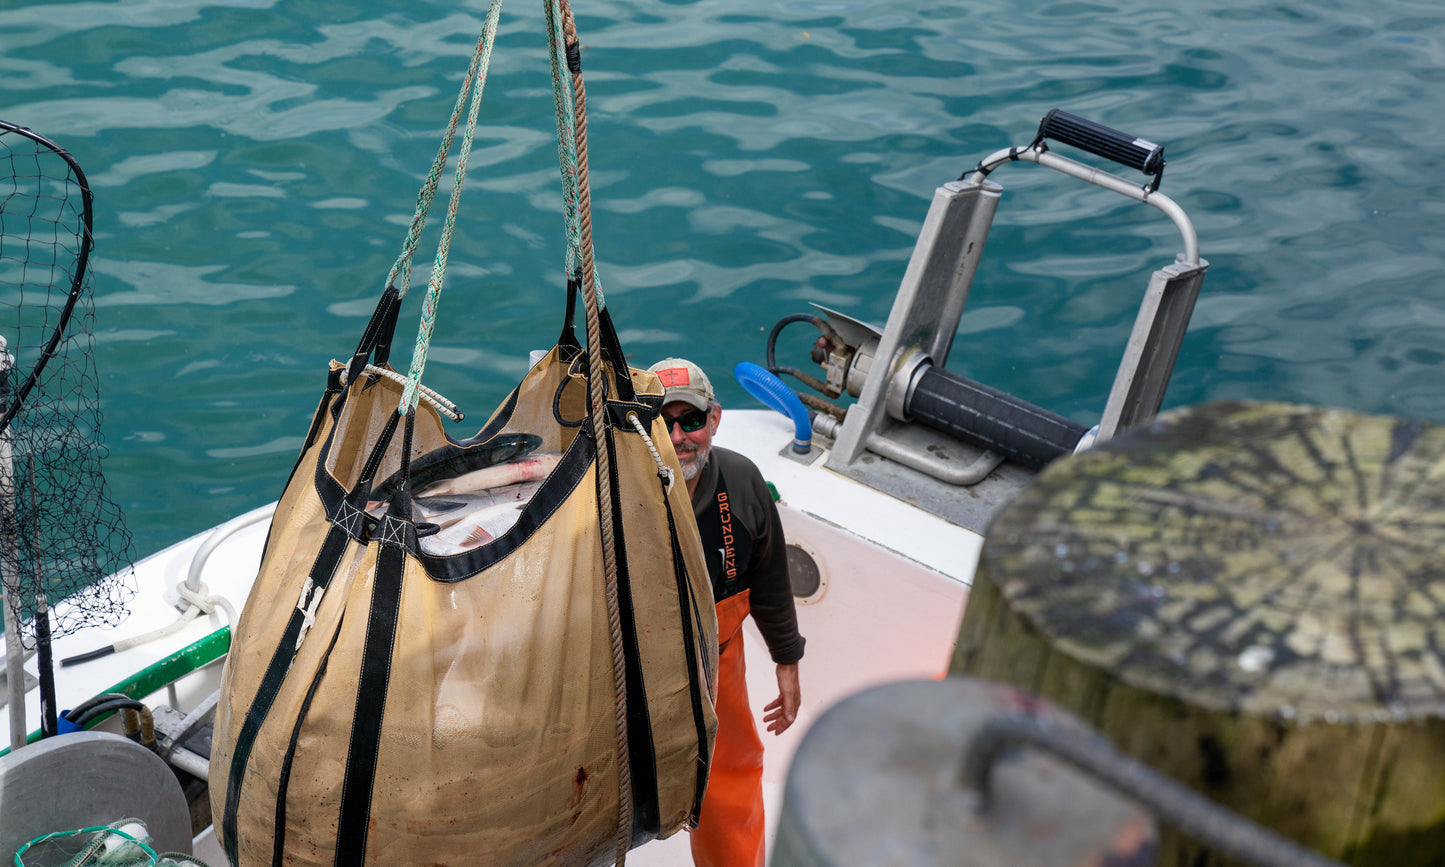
461 512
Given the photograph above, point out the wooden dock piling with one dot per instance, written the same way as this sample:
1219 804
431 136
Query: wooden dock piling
1251 598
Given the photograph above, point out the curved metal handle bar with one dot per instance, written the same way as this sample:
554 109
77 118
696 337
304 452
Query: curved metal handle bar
1191 813
77 281
214 541
1039 153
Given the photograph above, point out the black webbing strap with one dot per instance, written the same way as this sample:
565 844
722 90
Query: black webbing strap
347 508
386 329
346 517
375 341
322 571
611 346
362 756
569 320
331 400
691 620
646 813
278 848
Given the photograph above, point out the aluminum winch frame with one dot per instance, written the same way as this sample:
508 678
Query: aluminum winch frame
926 311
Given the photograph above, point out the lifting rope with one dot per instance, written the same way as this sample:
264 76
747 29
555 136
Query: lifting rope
474 82
572 133
570 99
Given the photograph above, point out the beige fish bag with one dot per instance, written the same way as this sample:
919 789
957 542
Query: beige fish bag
542 698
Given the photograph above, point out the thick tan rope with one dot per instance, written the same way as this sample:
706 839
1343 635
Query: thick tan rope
597 383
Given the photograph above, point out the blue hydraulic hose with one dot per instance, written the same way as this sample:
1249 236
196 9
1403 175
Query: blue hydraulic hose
767 388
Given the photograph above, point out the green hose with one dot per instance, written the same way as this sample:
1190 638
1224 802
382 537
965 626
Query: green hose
163 672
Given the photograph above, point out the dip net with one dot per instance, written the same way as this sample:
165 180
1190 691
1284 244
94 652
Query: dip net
63 541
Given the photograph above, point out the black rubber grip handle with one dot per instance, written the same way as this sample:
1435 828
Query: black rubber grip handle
1122 148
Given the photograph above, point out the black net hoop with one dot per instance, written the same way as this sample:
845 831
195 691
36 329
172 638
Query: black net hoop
62 537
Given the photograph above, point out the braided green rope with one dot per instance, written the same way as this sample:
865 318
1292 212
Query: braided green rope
570 145
566 142
481 59
476 81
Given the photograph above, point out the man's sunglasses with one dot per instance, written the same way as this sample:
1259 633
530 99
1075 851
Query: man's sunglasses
688 421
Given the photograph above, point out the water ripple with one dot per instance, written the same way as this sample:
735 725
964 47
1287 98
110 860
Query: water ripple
256 167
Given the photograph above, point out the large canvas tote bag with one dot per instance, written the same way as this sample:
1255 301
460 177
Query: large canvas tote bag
542 698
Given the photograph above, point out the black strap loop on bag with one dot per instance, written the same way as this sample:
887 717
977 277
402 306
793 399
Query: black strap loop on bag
692 637
323 569
611 346
568 337
375 343
646 820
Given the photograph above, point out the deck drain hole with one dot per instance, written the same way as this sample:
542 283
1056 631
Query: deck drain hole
803 572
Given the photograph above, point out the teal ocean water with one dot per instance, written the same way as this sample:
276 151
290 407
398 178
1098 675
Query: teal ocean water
256 162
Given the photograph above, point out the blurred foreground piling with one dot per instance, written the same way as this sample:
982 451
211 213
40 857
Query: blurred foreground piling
1250 598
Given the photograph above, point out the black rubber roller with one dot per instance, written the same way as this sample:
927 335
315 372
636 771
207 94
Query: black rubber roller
990 419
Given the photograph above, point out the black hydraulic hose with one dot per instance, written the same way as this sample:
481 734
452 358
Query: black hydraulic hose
807 379
104 707
773 338
1193 814
92 702
88 656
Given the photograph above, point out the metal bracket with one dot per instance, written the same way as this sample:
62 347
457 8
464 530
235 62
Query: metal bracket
27 679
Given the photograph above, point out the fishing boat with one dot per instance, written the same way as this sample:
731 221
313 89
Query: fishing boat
887 466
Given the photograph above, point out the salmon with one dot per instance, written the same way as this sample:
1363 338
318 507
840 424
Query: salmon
528 469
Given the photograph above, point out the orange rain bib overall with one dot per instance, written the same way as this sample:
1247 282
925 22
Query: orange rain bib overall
730 828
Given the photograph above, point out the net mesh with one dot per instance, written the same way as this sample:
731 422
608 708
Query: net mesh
61 534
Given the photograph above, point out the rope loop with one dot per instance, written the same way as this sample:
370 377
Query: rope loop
204 602
481 59
438 402
664 472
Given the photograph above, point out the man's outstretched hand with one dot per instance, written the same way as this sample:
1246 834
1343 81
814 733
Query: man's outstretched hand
779 713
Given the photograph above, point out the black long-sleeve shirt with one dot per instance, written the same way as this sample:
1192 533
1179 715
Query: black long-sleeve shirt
743 540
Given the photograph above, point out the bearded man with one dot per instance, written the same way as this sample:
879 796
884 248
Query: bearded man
742 538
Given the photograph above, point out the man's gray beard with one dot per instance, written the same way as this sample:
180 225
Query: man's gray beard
691 470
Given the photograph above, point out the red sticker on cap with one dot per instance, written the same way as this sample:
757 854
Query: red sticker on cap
674 377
